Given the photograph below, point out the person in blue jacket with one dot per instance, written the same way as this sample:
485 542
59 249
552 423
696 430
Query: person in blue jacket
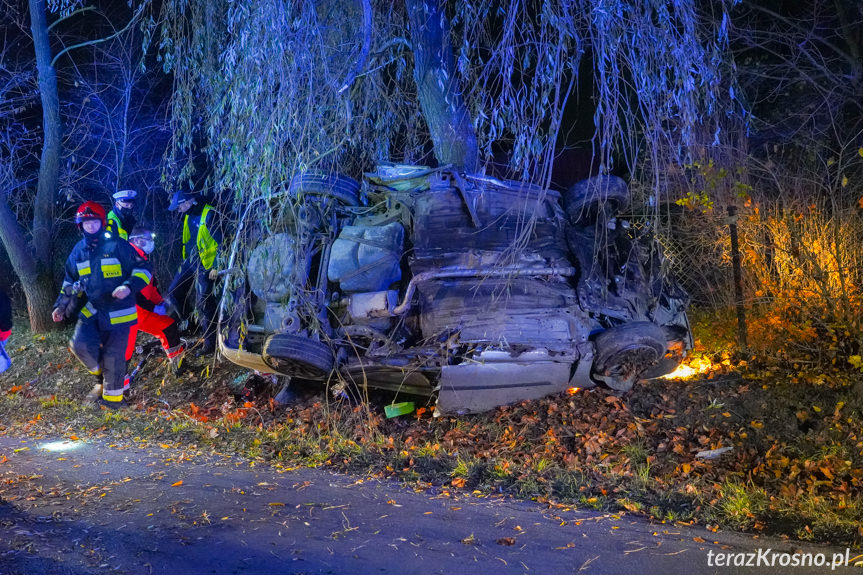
202 237
107 272
5 329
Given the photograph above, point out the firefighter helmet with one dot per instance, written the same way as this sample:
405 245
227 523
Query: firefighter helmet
90 211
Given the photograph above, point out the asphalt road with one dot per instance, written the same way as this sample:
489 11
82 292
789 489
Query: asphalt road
95 508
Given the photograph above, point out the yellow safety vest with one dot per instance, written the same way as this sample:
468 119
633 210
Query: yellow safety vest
112 217
207 246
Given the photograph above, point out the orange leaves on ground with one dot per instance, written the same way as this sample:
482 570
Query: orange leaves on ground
236 415
458 482
195 413
177 484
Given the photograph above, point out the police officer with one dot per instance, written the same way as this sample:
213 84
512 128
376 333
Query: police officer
202 236
108 272
122 218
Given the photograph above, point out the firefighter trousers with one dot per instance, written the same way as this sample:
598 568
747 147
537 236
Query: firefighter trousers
103 352
162 327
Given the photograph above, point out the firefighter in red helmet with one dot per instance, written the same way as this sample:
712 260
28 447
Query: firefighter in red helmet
108 273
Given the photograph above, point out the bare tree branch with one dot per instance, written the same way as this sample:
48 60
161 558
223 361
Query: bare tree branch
100 40
367 42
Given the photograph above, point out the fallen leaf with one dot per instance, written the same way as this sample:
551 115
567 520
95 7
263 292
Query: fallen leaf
506 541
177 484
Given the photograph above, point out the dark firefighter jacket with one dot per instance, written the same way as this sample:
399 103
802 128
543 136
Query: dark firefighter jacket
99 270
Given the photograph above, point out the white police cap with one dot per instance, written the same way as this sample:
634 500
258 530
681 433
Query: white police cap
125 195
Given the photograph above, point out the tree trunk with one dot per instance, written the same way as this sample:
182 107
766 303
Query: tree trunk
49 166
33 262
438 91
38 282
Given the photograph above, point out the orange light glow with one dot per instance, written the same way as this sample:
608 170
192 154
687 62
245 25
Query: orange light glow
573 390
693 367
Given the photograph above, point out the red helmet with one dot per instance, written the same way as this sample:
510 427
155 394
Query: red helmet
90 211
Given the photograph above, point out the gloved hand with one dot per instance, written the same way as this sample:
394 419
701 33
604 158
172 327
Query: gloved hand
57 315
120 292
160 309
214 274
4 335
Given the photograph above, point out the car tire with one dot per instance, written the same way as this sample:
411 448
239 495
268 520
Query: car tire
596 198
342 188
624 353
298 356
663 367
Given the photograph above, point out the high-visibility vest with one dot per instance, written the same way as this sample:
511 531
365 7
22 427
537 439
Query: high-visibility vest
115 226
207 246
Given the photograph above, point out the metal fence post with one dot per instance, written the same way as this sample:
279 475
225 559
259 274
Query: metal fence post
738 277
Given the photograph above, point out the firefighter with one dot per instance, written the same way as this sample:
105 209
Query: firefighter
122 218
149 302
201 239
5 329
108 272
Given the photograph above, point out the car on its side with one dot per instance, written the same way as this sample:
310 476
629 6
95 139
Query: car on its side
430 282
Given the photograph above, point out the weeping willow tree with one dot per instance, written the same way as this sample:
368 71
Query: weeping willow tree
270 88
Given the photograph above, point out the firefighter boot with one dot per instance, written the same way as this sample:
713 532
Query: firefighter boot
94 394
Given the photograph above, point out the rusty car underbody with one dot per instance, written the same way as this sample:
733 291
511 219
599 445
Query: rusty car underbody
475 290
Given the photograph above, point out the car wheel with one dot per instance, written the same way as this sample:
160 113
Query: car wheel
593 199
298 356
670 361
624 353
344 189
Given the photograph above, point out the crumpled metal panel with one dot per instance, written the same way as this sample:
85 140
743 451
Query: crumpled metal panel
512 311
478 387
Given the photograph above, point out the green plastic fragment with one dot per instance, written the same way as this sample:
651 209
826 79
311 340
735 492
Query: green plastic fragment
397 409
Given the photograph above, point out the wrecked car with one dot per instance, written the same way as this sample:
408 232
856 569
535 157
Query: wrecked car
476 290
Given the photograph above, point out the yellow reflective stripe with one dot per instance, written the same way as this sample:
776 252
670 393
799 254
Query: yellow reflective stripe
88 310
143 274
111 268
207 246
112 395
115 219
187 235
123 315
83 268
